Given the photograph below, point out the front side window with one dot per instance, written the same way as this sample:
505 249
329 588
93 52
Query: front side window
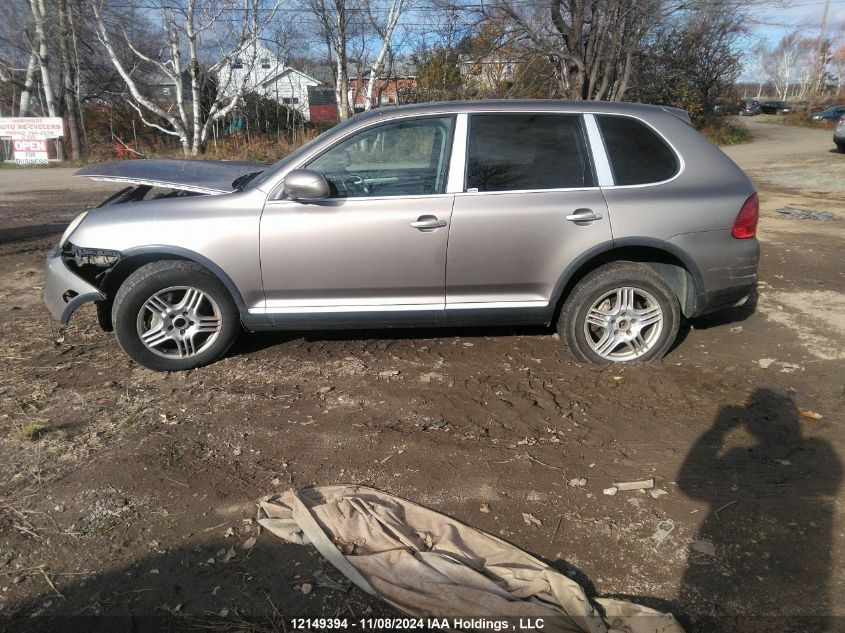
404 158
510 152
636 153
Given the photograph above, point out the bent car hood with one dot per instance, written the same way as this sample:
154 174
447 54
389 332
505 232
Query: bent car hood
200 176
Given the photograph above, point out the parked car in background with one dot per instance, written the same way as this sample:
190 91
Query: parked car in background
723 108
749 107
839 134
831 114
612 221
775 107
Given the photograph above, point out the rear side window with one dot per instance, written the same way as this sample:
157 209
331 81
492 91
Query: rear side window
509 152
637 154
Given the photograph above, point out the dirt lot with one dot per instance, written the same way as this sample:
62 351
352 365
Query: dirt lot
127 493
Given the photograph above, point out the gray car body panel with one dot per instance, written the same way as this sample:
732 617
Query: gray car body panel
839 133
222 229
501 256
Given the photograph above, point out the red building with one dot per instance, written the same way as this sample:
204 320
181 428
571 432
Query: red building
386 91
322 105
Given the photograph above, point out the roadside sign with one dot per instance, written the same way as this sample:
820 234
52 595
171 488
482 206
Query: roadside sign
28 151
29 137
31 127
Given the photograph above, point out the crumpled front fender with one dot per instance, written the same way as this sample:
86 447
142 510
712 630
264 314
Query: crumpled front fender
64 291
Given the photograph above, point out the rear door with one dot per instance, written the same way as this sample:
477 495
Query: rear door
528 207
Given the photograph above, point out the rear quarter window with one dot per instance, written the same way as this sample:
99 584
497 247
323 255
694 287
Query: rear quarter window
637 154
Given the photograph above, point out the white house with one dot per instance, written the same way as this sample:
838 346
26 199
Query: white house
272 78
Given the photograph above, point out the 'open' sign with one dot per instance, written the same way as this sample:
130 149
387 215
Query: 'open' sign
29 145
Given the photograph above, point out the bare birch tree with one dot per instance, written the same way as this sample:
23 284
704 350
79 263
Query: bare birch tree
757 66
29 83
39 16
782 61
71 105
385 33
837 67
232 27
334 16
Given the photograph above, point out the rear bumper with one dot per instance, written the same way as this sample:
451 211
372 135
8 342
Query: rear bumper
64 291
726 269
707 302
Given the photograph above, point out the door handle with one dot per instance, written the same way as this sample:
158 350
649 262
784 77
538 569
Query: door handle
428 223
584 215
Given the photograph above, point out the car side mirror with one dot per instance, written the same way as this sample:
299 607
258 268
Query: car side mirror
306 185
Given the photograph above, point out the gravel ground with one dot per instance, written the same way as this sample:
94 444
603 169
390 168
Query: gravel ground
129 494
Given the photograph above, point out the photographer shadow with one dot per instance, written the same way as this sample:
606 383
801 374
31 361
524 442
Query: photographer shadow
768 538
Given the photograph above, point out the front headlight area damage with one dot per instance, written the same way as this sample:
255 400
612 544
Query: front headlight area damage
89 263
73 276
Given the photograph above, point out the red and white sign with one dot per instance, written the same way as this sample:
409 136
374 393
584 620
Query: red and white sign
30 150
24 145
31 127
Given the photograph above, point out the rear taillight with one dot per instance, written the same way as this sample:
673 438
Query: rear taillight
745 225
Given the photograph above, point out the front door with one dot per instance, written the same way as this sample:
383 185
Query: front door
530 206
378 243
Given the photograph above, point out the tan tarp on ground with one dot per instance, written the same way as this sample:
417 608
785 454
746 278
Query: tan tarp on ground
428 565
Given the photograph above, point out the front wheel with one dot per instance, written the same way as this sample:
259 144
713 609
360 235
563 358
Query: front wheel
618 313
174 315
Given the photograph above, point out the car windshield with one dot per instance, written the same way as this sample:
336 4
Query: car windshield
293 156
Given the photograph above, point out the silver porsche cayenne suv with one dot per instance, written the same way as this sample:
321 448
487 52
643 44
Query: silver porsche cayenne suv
610 221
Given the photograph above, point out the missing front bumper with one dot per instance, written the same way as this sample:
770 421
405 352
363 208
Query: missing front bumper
64 291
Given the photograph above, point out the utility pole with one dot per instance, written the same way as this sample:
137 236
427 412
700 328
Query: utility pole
820 51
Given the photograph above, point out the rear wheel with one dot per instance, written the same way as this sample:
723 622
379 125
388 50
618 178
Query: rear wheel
618 313
841 147
174 315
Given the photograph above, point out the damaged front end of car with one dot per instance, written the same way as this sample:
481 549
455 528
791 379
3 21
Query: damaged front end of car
68 285
77 274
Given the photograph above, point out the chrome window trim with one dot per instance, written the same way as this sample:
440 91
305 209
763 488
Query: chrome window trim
513 191
678 156
604 174
323 201
458 158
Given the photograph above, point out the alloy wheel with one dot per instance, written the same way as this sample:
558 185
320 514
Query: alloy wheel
623 324
179 322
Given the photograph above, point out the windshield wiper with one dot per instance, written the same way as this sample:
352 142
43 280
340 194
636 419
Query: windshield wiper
241 181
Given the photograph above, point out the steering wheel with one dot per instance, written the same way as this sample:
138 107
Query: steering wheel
349 185
359 183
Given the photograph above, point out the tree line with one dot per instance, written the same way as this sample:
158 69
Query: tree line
60 57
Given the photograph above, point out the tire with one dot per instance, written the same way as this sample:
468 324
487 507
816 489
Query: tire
185 314
841 147
638 335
